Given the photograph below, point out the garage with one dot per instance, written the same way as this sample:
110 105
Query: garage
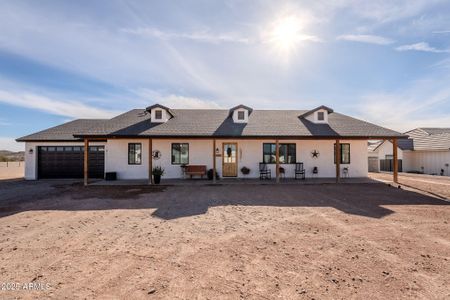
67 161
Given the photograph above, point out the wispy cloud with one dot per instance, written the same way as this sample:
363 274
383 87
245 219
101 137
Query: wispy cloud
68 108
366 38
201 36
176 101
413 104
441 32
422 46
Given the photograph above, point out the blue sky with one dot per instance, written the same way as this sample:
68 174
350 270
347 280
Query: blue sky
386 62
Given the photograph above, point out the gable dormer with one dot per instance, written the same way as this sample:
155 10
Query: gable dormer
159 113
318 115
240 113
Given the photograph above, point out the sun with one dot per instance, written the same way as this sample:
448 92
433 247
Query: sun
286 33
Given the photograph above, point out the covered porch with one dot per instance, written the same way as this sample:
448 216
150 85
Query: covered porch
214 152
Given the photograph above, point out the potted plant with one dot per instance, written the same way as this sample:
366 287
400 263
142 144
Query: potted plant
157 173
210 174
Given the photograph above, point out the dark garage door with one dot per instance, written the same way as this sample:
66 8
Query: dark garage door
67 161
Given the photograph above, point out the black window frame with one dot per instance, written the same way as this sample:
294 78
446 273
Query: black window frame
158 111
239 114
319 114
132 157
342 153
172 156
291 148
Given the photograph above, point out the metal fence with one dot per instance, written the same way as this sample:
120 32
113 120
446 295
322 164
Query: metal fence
387 165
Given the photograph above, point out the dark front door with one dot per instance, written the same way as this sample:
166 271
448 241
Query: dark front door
67 161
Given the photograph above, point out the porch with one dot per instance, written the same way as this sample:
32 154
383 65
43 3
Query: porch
230 155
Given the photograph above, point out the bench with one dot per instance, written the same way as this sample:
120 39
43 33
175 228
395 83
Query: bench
192 170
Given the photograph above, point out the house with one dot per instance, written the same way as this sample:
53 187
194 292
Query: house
224 140
380 154
427 150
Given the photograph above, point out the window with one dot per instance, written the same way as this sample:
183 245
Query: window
287 153
345 153
134 154
241 115
180 153
320 116
158 114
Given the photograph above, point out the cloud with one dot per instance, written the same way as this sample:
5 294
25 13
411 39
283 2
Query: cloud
201 36
68 108
176 101
366 38
422 46
9 143
422 103
441 32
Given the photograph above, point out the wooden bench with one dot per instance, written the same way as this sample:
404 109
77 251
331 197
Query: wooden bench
192 170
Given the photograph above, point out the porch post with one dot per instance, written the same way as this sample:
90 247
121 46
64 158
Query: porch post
395 162
214 160
86 162
150 161
338 160
277 159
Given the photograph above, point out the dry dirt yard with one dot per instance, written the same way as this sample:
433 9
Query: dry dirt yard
223 242
434 185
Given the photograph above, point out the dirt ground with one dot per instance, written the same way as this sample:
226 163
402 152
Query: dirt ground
435 185
223 242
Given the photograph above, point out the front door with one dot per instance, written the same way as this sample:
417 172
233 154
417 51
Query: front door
229 163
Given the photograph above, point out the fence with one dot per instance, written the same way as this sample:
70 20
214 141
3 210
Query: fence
12 169
387 165
11 164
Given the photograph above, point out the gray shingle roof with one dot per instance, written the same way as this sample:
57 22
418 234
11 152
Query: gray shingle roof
429 139
64 132
218 123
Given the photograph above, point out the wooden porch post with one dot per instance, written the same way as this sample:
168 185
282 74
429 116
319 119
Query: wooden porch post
277 160
395 162
86 162
214 160
150 161
338 161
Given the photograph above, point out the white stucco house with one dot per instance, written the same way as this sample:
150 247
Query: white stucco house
427 150
133 143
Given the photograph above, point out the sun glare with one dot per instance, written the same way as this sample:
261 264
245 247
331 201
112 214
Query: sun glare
286 33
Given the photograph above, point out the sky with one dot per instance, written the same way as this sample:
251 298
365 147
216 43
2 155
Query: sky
386 62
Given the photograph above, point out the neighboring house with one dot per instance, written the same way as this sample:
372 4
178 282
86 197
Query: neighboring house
224 140
427 150
380 154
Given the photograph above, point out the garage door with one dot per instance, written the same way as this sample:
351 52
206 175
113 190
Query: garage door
67 161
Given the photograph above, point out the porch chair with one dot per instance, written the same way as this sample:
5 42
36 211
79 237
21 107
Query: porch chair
299 171
345 172
264 172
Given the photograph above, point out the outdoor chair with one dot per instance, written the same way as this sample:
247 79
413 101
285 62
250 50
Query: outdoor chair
345 172
299 171
264 172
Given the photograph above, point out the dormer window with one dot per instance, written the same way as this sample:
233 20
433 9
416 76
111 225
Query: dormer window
320 116
159 113
240 113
